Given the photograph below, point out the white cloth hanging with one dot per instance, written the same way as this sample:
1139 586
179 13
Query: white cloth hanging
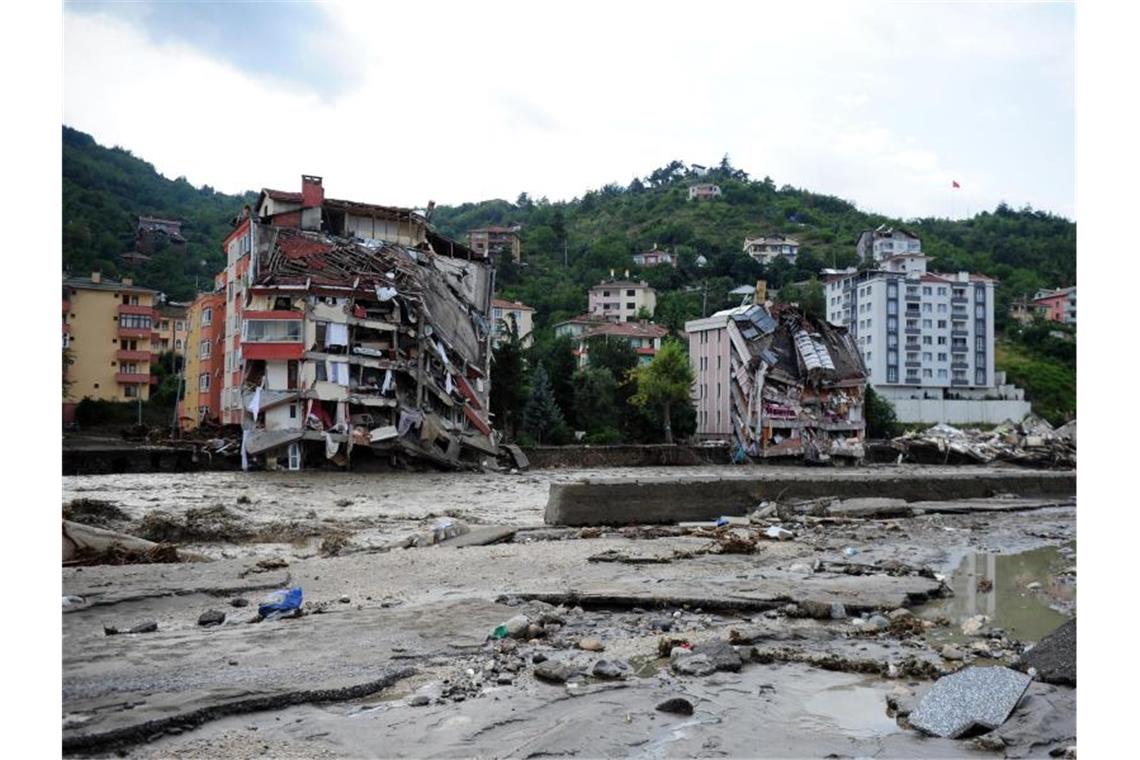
336 334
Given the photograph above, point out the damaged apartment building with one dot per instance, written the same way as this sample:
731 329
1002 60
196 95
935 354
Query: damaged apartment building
777 384
353 331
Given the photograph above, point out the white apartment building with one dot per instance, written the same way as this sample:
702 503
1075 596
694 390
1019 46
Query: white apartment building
918 331
621 300
704 191
504 313
768 248
885 242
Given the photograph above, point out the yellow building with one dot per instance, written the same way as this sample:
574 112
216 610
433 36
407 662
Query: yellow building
107 327
170 329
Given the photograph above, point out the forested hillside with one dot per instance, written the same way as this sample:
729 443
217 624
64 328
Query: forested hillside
105 189
568 246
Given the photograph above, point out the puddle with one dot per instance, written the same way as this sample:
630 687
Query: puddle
1026 614
859 712
646 666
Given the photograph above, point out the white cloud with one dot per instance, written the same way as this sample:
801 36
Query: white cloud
467 101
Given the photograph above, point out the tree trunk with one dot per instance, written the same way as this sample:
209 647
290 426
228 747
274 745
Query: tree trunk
668 425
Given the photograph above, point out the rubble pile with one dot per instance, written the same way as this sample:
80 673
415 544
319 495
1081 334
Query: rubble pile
1032 442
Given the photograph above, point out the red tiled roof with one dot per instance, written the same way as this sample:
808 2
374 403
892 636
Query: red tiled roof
281 195
504 304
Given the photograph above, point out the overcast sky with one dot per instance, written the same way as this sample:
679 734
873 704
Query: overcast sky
398 103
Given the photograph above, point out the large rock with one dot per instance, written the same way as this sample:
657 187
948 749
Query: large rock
721 654
1055 656
871 507
556 671
693 665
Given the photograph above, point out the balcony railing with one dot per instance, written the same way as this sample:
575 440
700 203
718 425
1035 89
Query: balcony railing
913 331
132 356
133 378
959 299
959 382
959 365
146 311
134 332
913 364
959 334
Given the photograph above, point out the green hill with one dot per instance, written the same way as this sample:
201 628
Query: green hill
104 189
570 245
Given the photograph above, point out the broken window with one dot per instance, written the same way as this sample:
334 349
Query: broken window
271 330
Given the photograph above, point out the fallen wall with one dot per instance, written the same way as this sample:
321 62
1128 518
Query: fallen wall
607 501
959 411
647 455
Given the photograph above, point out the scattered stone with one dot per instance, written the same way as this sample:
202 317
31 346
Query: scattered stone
1033 586
345 599
968 698
517 626
149 626
538 657
606 669
504 680
693 665
591 645
876 624
1054 658
800 569
677 706
212 617
419 700
951 652
721 654
778 533
239 602
901 612
973 626
555 671
838 611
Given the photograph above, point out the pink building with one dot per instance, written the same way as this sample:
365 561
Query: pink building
709 355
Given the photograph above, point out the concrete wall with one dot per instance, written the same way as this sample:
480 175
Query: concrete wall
678 499
959 411
650 455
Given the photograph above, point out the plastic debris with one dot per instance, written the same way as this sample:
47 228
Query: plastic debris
280 602
850 551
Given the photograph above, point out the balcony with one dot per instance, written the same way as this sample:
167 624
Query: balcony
134 332
143 311
959 383
133 378
959 365
133 356
959 300
913 365
959 334
913 331
912 297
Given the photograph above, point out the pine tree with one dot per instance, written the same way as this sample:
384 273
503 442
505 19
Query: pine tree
542 418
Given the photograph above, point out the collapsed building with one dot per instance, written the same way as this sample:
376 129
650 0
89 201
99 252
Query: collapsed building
777 384
353 331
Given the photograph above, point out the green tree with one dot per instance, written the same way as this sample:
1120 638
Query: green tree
880 415
541 417
665 382
809 295
595 400
507 391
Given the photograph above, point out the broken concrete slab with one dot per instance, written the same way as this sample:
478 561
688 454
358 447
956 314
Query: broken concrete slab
612 501
1055 656
483 536
969 698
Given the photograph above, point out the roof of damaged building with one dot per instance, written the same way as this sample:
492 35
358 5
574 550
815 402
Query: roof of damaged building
627 330
798 347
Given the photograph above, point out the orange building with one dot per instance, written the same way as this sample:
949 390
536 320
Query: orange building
204 368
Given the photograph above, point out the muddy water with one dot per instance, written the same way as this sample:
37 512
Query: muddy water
1030 593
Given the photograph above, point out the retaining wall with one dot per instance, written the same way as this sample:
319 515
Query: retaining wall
606 501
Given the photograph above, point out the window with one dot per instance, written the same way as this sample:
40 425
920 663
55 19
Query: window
926 340
927 290
941 291
980 358
892 340
942 374
204 350
292 411
204 381
131 391
207 316
892 374
892 307
941 308
927 356
926 308
134 322
942 324
180 326
980 311
980 343
980 377
927 374
927 324
272 331
942 340
912 356
631 305
892 323
941 357
629 293
294 456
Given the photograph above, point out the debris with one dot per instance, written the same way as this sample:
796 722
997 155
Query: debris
972 626
951 652
971 697
676 705
721 654
850 551
686 663
871 507
1032 442
149 626
88 545
100 514
239 602
264 566
517 626
281 601
73 601
985 585
1055 656
778 533
419 700
212 617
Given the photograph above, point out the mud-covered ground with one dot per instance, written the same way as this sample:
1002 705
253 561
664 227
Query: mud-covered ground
387 629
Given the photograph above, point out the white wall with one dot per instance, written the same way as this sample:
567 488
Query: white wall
959 411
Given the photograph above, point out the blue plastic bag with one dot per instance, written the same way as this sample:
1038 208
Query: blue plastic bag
282 600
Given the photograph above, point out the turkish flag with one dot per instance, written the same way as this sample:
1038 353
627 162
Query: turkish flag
954 183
